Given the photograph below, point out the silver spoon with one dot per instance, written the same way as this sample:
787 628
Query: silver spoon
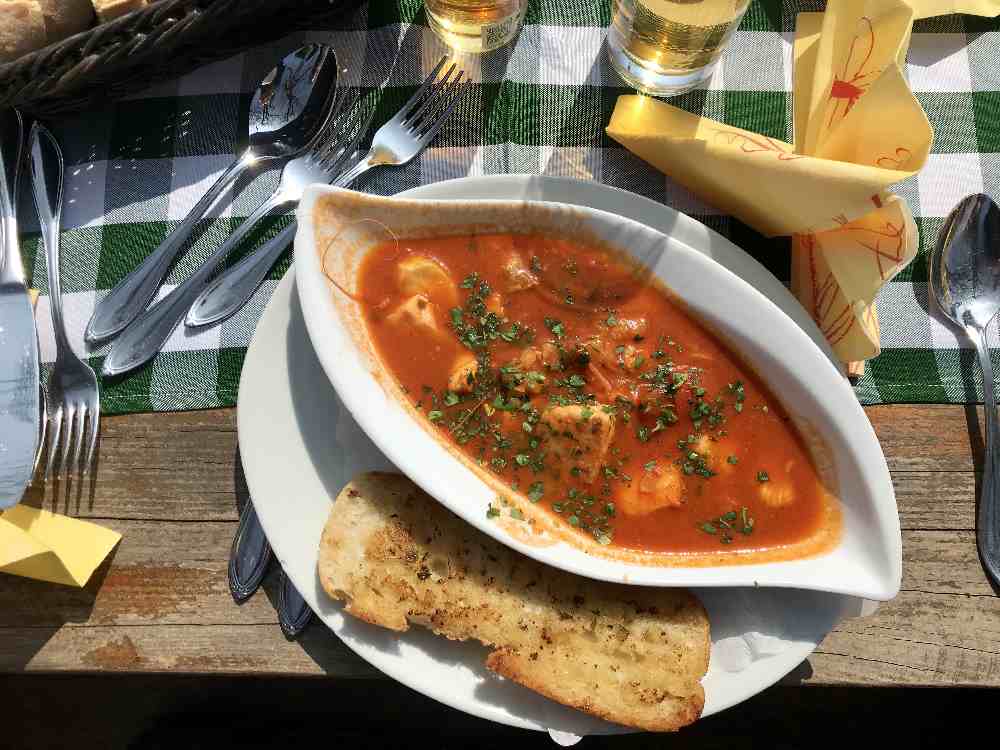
965 281
289 110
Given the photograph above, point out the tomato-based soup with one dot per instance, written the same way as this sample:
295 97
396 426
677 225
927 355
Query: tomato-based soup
580 384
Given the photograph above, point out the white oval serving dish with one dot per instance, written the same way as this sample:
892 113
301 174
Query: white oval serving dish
867 560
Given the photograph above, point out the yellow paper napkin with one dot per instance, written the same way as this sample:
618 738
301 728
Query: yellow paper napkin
40 544
858 129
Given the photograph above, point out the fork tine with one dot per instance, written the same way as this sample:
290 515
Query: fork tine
425 137
67 439
413 100
439 92
335 165
55 429
95 429
331 142
81 418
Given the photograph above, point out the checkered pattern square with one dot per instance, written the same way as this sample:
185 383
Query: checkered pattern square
539 106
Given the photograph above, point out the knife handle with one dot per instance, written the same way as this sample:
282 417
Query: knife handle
249 557
294 615
11 139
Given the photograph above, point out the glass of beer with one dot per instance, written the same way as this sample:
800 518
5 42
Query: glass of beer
476 25
667 47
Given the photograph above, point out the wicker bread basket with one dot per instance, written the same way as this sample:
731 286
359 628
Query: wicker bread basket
162 40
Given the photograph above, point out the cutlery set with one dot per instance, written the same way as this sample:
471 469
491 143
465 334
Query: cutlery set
301 120
68 430
323 156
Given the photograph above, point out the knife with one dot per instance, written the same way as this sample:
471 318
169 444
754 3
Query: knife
19 377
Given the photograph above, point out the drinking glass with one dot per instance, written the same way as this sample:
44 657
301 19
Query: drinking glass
476 25
667 47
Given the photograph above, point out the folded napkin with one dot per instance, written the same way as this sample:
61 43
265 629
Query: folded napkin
40 544
858 129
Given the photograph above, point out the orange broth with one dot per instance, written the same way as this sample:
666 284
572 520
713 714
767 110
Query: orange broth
593 394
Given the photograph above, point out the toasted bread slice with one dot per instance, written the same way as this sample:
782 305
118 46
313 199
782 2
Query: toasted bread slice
627 654
109 9
22 28
64 18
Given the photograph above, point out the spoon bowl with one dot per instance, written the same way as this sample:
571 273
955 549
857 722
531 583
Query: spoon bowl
965 282
293 103
965 264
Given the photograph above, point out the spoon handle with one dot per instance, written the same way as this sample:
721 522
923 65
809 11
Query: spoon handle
988 522
147 335
129 298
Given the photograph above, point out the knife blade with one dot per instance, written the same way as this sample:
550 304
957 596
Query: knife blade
19 376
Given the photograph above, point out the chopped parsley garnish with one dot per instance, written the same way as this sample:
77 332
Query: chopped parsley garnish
695 463
496 411
728 524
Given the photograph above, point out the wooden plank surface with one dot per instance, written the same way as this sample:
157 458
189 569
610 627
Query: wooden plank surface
171 483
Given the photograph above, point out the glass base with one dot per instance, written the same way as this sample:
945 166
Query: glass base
476 38
653 82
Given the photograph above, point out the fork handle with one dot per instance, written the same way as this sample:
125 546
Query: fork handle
146 336
129 298
233 287
356 171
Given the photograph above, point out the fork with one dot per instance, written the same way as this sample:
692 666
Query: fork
394 144
73 393
150 331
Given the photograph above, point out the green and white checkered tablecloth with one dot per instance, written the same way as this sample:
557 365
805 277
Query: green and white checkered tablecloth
135 168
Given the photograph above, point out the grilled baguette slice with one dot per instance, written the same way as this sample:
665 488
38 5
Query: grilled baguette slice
627 654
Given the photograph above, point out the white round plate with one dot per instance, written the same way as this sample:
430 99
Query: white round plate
300 446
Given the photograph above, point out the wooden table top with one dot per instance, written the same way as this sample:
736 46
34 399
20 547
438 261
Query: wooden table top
172 484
